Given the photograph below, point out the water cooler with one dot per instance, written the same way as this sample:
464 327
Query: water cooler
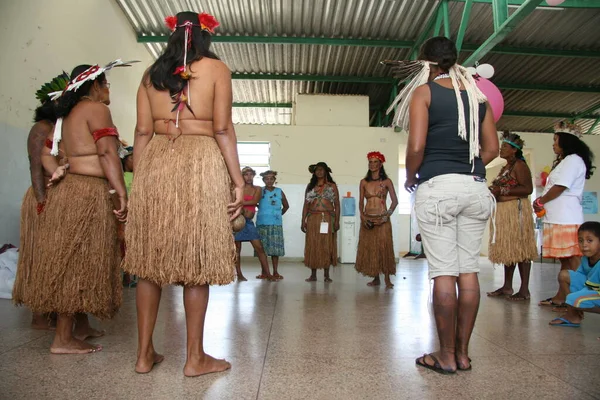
348 240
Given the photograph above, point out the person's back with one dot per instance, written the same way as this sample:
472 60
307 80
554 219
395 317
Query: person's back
445 151
445 157
78 141
184 160
206 75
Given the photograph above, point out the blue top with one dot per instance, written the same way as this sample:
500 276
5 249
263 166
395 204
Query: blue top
269 208
445 151
592 273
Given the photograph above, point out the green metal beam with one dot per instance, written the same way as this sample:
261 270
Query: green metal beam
499 35
397 44
594 125
548 88
566 4
464 22
392 81
587 112
535 114
446 18
438 23
500 13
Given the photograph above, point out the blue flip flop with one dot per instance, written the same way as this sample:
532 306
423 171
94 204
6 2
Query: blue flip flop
565 322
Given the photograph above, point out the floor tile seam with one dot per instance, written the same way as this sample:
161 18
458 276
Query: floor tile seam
22 345
528 361
267 348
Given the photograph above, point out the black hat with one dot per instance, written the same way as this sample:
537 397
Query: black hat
313 167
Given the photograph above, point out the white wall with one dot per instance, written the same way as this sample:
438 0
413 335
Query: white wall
39 39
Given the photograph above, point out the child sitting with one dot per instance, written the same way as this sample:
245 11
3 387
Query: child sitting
583 284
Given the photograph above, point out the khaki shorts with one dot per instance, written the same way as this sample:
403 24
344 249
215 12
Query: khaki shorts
452 211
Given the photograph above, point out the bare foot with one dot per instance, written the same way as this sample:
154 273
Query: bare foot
389 285
241 278
311 279
205 365
500 292
74 346
463 362
519 296
146 363
374 282
87 332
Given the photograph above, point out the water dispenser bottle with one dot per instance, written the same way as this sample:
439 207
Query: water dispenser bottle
348 205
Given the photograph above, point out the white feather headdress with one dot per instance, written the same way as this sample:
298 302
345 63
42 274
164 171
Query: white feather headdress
417 72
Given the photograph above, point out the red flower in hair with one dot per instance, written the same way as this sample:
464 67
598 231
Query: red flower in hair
171 22
377 155
208 22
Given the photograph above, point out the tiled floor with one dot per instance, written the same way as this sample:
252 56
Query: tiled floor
298 340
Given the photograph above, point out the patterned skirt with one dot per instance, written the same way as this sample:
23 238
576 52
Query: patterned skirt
560 241
271 237
249 232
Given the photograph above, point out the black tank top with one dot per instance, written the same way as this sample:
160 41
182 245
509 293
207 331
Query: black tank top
445 151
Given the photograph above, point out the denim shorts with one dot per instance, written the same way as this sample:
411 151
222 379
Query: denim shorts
452 211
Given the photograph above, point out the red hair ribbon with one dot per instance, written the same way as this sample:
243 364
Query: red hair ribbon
377 155
100 133
49 144
40 207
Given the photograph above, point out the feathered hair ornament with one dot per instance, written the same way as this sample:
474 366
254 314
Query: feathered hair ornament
568 127
57 84
187 20
89 74
415 74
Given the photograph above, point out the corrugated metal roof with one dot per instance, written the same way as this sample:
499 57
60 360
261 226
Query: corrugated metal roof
571 29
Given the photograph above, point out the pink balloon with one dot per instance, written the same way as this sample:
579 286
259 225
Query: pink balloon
555 2
493 95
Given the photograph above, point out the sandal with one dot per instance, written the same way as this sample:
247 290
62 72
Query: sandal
436 367
550 302
277 276
262 276
565 323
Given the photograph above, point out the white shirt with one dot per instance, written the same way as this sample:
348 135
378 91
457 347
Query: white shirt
566 209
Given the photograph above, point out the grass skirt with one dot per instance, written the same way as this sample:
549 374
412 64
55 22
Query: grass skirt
31 231
76 266
320 249
560 241
376 251
178 229
515 234
271 237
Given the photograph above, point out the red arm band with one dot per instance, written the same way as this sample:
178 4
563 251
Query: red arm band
100 133
49 144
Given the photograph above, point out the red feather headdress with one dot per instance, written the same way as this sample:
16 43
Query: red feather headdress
377 155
